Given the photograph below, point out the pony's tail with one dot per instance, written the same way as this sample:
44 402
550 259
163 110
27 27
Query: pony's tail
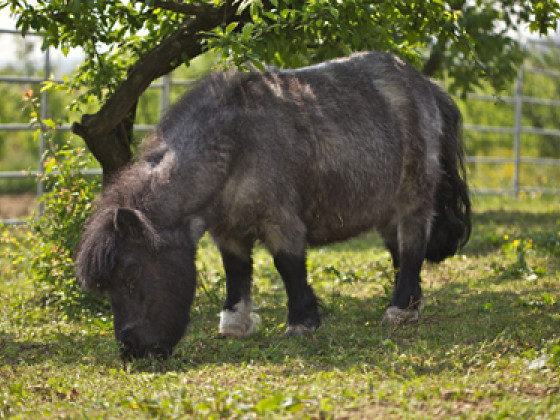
451 227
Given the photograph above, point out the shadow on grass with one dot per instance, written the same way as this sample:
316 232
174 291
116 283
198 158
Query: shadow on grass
60 349
524 220
459 325
456 331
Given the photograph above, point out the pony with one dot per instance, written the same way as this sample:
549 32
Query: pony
290 158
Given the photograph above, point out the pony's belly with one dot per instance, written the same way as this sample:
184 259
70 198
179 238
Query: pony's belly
344 216
327 228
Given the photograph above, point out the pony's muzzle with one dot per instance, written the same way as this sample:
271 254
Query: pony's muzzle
130 347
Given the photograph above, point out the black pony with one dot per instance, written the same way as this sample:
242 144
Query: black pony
290 158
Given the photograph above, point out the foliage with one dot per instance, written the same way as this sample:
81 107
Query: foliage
542 86
107 31
473 38
56 231
47 251
539 110
556 355
487 346
293 32
468 41
17 150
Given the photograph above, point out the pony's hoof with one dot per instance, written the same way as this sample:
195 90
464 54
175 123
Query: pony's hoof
395 316
298 329
238 323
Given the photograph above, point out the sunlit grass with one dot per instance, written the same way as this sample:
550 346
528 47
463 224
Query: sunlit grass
484 347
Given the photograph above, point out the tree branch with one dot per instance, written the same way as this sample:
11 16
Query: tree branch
103 131
433 64
190 9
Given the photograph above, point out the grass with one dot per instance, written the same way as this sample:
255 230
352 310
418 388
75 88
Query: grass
486 347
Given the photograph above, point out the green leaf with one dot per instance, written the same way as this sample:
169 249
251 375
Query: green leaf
334 12
49 165
259 65
49 123
231 27
75 6
548 299
247 30
269 404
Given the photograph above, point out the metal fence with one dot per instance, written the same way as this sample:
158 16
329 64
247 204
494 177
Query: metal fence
516 131
164 86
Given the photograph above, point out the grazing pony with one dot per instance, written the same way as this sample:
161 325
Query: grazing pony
291 158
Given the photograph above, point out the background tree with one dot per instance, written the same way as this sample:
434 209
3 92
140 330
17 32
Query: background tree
128 44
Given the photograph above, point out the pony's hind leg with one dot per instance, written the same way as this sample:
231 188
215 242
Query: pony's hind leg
407 302
303 314
237 318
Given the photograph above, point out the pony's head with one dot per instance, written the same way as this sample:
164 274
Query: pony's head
148 276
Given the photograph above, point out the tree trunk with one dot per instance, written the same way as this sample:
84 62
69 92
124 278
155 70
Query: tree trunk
113 147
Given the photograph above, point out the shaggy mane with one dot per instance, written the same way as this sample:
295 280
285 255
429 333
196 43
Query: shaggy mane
98 248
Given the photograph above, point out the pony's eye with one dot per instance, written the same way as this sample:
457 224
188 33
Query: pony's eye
131 274
134 272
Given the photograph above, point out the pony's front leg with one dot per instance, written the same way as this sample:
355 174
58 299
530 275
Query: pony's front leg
237 318
303 314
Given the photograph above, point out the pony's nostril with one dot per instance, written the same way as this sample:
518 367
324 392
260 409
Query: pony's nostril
126 350
124 334
131 346
128 344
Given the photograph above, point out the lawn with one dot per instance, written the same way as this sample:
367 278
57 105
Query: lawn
488 345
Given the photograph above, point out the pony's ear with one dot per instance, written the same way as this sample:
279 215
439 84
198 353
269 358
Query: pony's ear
131 224
127 223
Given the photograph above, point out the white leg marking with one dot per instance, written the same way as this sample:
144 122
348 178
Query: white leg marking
396 316
241 322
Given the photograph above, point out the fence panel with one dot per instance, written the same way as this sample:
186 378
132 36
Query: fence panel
519 132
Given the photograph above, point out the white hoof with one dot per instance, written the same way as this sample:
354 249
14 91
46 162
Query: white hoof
240 322
396 316
298 330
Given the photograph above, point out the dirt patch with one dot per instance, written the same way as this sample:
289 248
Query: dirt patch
15 206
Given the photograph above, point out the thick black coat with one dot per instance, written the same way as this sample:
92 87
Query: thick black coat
290 158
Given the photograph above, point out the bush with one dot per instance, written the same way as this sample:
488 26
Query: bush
47 250
57 230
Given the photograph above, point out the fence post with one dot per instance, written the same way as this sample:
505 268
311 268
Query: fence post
44 116
165 98
517 130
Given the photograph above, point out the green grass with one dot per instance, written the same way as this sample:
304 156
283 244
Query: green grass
486 347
